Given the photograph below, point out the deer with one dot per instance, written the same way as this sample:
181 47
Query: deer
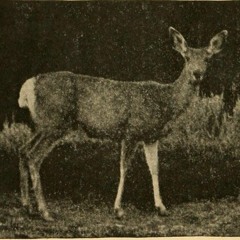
127 112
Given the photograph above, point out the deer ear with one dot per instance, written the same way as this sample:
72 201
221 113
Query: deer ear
180 43
217 42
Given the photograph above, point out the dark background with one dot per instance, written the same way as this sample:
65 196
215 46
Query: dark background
118 40
123 41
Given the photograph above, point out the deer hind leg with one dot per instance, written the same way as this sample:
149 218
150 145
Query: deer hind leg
151 153
127 152
24 186
39 152
24 174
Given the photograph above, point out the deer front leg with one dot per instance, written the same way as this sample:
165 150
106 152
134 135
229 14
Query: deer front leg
151 153
127 150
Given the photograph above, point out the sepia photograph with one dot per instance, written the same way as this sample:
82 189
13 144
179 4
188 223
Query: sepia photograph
119 119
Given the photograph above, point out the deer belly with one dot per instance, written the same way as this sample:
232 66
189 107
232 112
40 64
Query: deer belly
143 132
146 126
103 122
103 129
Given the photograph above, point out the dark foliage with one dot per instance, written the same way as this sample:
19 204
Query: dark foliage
118 40
92 169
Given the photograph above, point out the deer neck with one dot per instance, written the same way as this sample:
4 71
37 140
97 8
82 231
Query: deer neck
183 92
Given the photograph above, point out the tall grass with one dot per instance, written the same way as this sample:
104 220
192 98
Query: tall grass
204 148
200 155
13 136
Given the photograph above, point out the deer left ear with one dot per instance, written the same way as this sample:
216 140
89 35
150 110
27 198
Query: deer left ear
217 42
180 43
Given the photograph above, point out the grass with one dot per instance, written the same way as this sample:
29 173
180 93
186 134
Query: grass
199 168
14 136
96 219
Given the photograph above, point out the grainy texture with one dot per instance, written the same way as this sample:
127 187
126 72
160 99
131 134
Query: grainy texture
116 40
125 41
126 112
103 107
88 219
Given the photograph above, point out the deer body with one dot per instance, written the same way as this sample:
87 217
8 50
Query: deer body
136 110
127 112
132 110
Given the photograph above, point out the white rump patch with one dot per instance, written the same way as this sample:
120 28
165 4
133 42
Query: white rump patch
27 96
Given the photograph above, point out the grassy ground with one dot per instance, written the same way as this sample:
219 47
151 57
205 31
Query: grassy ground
195 163
96 219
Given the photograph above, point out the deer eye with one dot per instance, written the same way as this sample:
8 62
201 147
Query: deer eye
187 58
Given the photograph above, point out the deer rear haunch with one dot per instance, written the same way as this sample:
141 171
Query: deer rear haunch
127 112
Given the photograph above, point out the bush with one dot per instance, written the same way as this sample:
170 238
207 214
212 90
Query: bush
200 158
11 138
203 148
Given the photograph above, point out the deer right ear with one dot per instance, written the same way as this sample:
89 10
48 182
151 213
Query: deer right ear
217 42
180 43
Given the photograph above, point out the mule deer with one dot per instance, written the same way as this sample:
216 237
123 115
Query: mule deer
127 112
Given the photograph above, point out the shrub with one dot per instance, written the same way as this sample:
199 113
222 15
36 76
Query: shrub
204 148
13 137
200 157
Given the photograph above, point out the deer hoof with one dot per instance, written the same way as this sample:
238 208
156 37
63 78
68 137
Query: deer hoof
47 217
28 209
119 213
163 212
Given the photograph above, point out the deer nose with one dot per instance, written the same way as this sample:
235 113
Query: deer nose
197 75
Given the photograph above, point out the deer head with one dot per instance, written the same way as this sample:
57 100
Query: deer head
196 59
